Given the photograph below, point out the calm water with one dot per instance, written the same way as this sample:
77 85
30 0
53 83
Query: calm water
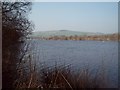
91 54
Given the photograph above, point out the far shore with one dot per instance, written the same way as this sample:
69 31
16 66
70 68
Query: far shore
110 37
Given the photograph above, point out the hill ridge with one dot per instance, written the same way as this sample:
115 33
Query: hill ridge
62 33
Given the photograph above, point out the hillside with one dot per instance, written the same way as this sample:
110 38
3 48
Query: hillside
62 33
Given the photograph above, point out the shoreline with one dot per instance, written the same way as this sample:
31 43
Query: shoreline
112 37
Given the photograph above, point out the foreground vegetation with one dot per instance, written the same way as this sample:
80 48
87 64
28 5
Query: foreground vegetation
61 77
15 29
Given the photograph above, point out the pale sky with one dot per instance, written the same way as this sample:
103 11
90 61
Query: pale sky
76 16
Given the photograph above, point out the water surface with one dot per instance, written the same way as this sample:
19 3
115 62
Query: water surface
93 54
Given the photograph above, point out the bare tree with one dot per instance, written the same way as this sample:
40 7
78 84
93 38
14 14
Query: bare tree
15 28
15 23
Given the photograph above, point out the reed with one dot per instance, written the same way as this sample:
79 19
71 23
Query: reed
61 77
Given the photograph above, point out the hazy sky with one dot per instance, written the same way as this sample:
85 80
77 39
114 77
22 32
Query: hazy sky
75 16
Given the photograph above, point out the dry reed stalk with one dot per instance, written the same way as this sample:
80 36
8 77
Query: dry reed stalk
66 81
31 78
31 73
56 78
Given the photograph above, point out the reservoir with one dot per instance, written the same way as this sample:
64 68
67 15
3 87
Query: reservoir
78 54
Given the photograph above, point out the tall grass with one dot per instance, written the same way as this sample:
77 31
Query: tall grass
61 77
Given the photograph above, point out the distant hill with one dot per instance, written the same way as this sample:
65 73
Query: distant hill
62 33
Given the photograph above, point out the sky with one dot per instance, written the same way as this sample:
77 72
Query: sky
76 16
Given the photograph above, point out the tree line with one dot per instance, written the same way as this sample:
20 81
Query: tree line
113 37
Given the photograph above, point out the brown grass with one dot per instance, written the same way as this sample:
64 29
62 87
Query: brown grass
61 77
